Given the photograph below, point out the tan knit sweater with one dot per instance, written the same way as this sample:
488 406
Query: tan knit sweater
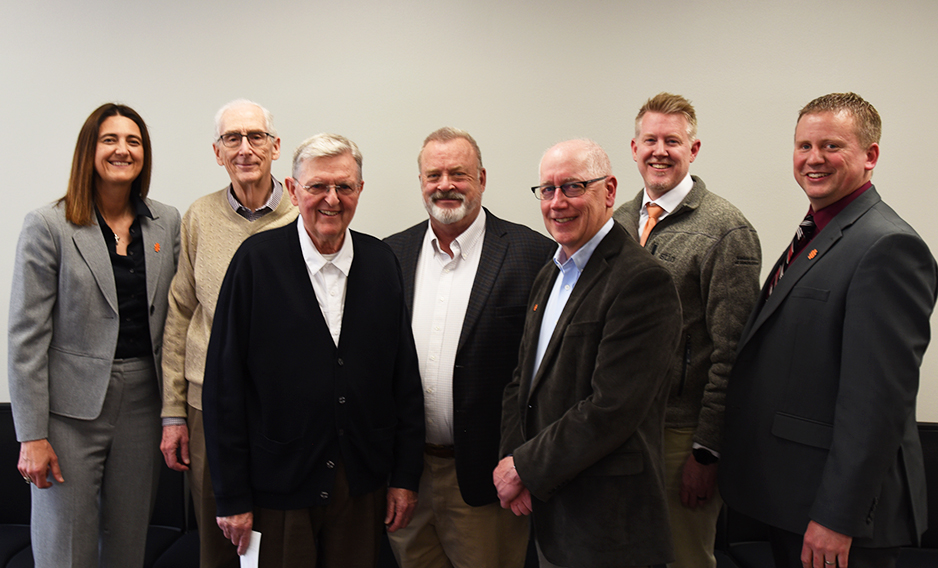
211 233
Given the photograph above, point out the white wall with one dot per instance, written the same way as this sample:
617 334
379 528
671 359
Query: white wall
518 75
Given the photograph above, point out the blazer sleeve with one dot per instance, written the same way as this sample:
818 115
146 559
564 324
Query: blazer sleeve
885 332
33 297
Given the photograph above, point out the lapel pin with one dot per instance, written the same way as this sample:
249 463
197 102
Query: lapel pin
812 254
535 308
156 247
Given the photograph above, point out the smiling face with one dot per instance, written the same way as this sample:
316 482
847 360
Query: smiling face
573 221
246 165
118 156
327 215
829 161
663 151
452 183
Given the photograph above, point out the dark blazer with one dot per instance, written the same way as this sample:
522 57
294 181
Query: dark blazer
586 430
64 313
283 404
820 414
487 352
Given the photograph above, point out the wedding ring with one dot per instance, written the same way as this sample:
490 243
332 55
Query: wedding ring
27 480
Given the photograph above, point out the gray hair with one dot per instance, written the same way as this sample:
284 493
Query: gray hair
268 117
325 145
446 134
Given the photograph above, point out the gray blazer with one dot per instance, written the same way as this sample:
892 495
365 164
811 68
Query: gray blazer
64 315
820 410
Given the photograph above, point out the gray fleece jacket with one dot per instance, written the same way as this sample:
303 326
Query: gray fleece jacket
714 256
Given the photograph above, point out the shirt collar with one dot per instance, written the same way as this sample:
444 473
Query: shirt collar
272 202
583 254
138 205
466 241
315 260
672 198
826 215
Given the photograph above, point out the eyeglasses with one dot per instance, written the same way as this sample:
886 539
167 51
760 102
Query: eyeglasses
257 138
572 189
321 188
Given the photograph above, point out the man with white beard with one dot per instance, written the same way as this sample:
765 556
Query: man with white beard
467 275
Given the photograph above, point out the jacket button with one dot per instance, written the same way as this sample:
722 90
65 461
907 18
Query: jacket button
330 464
341 400
340 362
323 495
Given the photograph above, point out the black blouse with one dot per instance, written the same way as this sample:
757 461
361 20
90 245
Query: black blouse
130 276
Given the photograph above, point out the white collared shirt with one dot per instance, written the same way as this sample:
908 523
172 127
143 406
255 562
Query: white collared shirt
570 270
669 201
442 286
329 275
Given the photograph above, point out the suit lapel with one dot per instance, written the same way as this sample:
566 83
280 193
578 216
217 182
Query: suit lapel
90 243
594 270
408 259
808 259
154 254
494 249
532 332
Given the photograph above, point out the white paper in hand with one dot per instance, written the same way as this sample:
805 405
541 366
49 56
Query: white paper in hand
253 553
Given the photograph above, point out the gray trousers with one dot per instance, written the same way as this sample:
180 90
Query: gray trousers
99 516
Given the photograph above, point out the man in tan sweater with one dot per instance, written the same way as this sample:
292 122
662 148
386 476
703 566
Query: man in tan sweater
213 228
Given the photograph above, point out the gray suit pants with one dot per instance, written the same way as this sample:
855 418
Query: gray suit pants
99 516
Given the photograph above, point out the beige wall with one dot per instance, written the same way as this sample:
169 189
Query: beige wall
518 75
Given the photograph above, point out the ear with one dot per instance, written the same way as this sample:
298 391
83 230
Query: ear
217 151
611 184
694 148
872 156
292 186
634 150
482 178
276 150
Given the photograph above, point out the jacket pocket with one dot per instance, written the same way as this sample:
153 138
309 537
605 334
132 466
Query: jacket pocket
803 430
810 293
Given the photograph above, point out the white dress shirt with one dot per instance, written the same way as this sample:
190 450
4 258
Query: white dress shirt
328 275
442 286
669 201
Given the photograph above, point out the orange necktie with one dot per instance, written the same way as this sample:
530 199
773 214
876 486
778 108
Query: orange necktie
654 211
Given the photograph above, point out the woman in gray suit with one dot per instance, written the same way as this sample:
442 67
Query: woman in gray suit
86 326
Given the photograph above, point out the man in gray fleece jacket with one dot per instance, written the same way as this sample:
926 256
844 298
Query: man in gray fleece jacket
714 256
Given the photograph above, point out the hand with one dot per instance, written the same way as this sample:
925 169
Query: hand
507 482
522 504
401 505
821 543
237 529
37 461
175 437
698 483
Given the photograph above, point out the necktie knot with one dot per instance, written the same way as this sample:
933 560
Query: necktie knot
654 212
803 235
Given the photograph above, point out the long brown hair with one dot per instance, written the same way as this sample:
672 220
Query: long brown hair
79 197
